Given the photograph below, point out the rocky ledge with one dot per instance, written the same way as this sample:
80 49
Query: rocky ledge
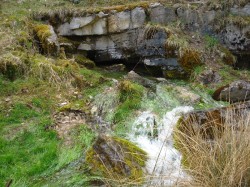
141 34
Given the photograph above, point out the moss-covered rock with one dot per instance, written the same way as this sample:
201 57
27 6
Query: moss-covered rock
117 159
174 74
48 39
84 61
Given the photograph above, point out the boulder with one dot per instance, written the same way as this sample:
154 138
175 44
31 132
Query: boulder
116 158
211 123
235 92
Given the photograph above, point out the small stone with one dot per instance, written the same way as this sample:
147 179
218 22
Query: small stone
7 99
63 104
94 110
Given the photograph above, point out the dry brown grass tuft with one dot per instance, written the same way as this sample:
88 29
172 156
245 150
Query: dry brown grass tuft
222 161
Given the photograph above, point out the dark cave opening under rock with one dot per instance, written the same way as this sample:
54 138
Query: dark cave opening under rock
243 61
131 64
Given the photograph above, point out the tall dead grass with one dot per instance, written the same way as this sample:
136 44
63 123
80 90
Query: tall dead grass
222 161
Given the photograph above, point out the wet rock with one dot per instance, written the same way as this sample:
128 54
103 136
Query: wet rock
211 123
208 77
116 158
234 92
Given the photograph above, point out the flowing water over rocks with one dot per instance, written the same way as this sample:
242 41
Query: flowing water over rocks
154 136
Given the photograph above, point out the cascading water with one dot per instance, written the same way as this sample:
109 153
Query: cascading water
155 137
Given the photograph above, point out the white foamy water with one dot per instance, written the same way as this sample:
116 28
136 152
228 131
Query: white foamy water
154 136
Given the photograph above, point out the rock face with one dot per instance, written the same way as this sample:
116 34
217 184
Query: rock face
130 34
236 38
116 158
234 92
211 123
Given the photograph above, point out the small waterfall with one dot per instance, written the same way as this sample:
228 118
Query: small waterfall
154 136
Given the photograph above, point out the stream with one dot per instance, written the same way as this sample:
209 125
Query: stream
154 136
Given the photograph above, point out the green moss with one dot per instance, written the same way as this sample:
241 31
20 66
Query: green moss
102 158
43 32
174 74
84 61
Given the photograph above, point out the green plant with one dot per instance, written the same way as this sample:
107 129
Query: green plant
211 42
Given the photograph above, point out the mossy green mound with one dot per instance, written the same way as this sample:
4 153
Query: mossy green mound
84 61
116 159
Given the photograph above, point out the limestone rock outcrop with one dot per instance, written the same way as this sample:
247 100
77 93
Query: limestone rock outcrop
137 33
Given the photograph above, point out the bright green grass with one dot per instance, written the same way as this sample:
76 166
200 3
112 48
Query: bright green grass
26 148
31 154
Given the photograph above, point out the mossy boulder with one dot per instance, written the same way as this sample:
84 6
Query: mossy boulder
47 39
84 61
117 159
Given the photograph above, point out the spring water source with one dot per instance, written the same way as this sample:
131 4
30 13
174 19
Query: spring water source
154 136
